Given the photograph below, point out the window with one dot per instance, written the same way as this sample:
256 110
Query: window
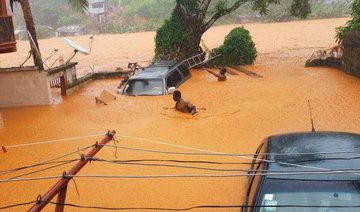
144 87
177 77
185 71
97 5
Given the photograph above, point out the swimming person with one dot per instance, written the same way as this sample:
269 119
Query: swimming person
165 56
183 105
221 76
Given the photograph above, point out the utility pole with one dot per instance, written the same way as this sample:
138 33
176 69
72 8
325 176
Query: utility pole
61 186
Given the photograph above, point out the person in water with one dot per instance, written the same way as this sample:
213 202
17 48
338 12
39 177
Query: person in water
183 105
221 75
165 56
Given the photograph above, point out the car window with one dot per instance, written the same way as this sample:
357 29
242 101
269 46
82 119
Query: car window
174 78
328 194
144 87
170 81
185 71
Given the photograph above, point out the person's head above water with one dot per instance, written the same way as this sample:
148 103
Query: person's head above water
222 70
176 96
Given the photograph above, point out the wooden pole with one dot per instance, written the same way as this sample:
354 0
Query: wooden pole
61 184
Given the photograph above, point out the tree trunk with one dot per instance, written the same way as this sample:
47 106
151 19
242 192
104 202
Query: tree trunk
196 39
29 21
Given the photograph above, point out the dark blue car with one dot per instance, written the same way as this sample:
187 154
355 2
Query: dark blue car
287 179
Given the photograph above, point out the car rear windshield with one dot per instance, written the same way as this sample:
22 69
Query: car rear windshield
139 87
328 194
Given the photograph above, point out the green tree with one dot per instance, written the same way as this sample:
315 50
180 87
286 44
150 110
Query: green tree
199 15
351 25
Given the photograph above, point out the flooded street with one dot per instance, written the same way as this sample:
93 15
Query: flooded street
234 117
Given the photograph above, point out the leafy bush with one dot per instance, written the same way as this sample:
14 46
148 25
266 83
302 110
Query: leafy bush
353 24
238 49
44 32
69 20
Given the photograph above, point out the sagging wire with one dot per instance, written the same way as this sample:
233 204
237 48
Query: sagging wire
219 176
288 173
185 161
16 205
225 154
199 207
44 162
44 169
203 168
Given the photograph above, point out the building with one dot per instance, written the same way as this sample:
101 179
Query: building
72 30
98 9
7 37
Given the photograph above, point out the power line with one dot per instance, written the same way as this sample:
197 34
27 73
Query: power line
357 171
205 168
226 154
43 164
44 169
17 205
52 141
201 206
46 161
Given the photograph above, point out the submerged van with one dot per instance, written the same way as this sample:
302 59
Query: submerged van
157 79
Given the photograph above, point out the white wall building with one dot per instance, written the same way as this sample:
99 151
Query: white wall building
97 9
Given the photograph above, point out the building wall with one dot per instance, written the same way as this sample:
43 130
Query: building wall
24 87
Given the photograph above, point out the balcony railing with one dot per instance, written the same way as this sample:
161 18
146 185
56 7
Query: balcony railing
7 37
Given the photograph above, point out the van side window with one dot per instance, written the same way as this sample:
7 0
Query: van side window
170 81
176 76
185 71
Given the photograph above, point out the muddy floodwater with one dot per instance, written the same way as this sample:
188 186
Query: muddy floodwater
234 117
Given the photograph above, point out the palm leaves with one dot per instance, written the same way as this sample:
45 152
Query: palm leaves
79 5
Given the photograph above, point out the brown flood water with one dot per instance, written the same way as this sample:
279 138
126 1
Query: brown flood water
234 118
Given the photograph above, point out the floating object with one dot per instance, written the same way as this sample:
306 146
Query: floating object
105 97
247 72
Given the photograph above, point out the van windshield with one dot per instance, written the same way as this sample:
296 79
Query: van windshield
144 87
330 195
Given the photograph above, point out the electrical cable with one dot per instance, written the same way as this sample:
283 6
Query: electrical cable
44 169
46 161
205 168
16 205
201 206
225 154
52 141
189 176
215 176
218 154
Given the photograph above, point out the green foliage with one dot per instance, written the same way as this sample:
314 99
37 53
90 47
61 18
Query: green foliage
237 49
175 35
351 25
300 8
69 20
43 32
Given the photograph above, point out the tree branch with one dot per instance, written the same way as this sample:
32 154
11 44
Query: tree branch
221 13
185 12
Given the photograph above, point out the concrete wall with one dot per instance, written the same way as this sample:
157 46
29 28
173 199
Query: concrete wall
345 57
351 53
24 87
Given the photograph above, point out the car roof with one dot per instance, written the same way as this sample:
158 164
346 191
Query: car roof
157 70
313 142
